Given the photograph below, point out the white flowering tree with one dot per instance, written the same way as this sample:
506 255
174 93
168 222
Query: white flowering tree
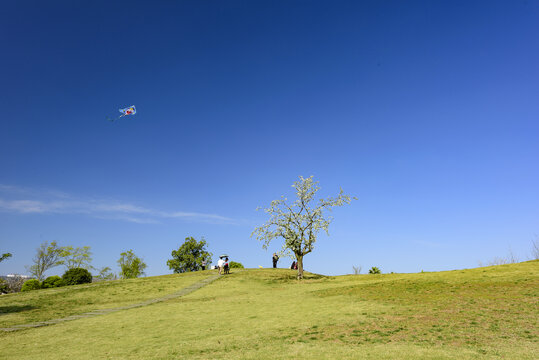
299 222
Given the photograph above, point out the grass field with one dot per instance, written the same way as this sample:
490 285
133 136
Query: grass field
47 304
484 313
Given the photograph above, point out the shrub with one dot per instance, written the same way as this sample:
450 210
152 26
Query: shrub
235 265
52 282
4 288
32 284
374 270
77 276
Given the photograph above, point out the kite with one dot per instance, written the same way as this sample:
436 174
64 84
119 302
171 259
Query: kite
132 110
128 111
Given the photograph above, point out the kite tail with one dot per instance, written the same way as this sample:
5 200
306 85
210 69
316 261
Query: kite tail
112 120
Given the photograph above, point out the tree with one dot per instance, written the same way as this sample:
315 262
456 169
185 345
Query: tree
189 256
535 248
48 256
15 283
298 223
5 256
79 257
105 273
374 270
131 266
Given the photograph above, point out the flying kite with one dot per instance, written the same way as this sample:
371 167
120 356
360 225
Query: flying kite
132 110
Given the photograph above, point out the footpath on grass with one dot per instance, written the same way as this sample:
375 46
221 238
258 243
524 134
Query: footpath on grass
182 292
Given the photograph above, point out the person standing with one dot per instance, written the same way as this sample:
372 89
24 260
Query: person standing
220 265
203 265
275 258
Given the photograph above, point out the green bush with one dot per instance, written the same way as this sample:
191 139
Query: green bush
374 270
52 282
4 288
77 276
235 265
32 284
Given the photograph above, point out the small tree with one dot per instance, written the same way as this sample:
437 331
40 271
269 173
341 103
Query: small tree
374 270
4 256
14 283
105 273
189 256
48 256
79 257
357 269
298 223
131 266
535 248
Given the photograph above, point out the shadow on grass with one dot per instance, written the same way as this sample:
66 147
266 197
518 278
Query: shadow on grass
15 308
292 276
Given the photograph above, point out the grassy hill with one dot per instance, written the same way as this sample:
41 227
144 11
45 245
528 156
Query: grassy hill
47 304
481 313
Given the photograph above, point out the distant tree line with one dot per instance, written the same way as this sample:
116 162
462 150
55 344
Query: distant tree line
77 262
192 255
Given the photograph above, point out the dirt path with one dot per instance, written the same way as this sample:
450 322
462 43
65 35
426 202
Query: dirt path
182 292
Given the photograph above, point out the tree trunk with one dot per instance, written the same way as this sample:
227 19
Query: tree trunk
300 266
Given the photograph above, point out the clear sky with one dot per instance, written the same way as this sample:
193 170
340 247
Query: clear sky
427 111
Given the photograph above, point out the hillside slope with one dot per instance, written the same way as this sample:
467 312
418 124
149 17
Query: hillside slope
486 313
46 304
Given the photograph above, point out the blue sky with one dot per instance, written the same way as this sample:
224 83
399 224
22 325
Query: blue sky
426 111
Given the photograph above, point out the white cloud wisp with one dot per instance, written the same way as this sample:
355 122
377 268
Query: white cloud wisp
24 201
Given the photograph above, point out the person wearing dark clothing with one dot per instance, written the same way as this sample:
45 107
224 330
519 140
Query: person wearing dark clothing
227 267
294 265
275 258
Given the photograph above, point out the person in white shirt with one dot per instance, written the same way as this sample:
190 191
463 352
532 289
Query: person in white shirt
220 264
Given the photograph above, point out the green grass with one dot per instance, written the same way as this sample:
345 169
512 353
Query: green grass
47 304
484 313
